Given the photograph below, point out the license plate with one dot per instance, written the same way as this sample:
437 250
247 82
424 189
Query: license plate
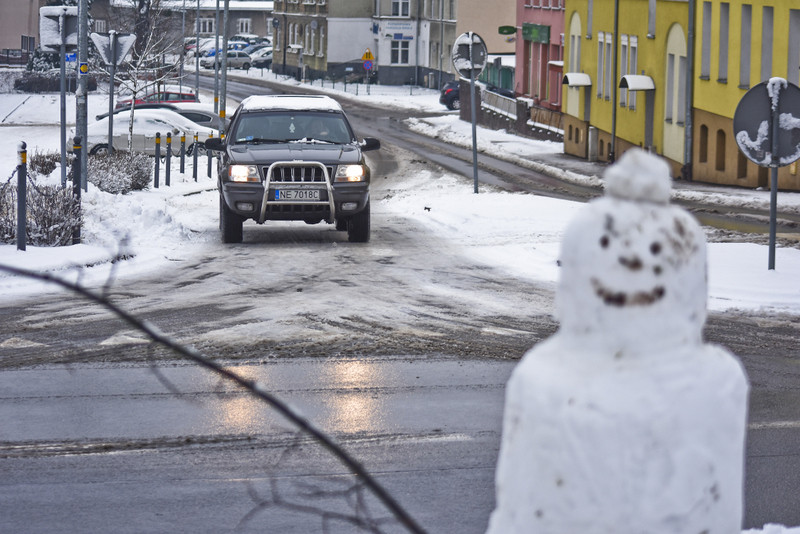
301 195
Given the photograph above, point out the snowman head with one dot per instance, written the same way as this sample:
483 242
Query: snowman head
633 268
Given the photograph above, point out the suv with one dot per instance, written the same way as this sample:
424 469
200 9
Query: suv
292 158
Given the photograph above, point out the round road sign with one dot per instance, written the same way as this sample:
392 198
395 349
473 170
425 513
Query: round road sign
753 123
469 55
368 65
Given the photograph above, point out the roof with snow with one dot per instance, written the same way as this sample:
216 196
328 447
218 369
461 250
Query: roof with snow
291 102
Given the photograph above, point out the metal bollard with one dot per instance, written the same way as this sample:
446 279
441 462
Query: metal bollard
194 158
167 164
76 183
158 159
183 153
22 193
208 157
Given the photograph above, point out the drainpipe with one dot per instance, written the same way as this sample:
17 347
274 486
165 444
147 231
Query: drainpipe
688 141
612 151
416 45
441 42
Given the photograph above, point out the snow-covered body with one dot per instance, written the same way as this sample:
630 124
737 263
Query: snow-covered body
625 421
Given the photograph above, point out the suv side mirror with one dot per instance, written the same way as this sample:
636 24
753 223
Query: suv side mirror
214 143
370 143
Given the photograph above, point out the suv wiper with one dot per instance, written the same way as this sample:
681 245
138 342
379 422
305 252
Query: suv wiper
257 141
310 140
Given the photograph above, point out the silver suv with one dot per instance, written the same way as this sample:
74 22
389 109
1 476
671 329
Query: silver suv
289 158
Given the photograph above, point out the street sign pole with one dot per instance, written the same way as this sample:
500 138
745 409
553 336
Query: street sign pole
473 118
112 72
81 93
773 189
63 52
469 59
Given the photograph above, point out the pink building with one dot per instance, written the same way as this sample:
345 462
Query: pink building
539 51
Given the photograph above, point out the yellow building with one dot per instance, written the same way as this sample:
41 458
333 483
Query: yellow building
636 97
738 45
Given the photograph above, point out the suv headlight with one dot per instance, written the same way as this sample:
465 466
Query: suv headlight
350 173
243 173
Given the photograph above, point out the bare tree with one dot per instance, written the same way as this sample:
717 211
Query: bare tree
157 36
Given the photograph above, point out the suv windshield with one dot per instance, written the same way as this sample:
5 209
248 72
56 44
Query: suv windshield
287 126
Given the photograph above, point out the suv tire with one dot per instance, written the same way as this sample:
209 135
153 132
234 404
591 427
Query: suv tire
358 226
230 224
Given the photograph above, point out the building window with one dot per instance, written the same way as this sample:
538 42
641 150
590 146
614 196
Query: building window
623 66
206 26
601 37
724 21
633 65
321 52
744 53
589 21
683 72
720 164
793 68
670 87
243 25
609 75
575 53
651 18
703 142
400 8
705 54
766 43
741 166
100 25
400 52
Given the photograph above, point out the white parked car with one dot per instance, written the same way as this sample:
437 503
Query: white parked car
146 124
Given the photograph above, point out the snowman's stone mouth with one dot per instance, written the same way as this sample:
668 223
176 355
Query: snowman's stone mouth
623 298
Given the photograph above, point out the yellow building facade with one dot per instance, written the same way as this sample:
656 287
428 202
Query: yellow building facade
736 46
634 97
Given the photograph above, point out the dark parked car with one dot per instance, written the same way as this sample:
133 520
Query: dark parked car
293 158
450 96
508 93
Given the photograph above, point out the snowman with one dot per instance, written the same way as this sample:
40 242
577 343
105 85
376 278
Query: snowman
624 421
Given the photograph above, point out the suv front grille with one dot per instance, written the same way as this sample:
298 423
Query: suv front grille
298 173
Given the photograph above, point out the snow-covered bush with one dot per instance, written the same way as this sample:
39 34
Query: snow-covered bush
52 214
43 163
121 172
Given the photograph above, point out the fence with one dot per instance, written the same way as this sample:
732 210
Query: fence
10 57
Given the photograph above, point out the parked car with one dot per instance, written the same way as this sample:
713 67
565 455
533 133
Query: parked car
256 47
251 38
508 93
451 95
166 93
293 158
199 113
146 123
232 45
237 59
262 59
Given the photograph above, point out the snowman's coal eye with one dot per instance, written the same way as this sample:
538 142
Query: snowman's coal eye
604 241
655 248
